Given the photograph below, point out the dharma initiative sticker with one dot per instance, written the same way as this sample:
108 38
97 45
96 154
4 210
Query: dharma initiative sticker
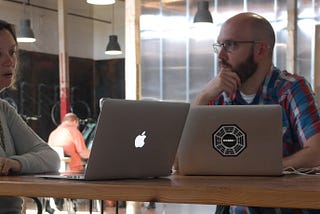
229 140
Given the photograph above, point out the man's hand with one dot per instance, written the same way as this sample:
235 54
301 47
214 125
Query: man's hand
8 165
226 80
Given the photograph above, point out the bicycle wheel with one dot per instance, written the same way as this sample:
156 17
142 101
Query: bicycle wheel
81 109
55 113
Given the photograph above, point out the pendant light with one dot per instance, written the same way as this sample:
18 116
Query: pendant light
25 33
113 47
203 15
101 2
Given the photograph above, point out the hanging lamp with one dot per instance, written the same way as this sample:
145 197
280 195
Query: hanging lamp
113 47
101 2
25 33
203 15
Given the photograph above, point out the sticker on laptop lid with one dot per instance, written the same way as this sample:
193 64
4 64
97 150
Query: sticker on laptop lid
229 140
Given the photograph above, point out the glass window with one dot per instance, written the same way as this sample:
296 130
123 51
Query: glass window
177 59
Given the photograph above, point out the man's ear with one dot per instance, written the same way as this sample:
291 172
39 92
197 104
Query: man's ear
262 49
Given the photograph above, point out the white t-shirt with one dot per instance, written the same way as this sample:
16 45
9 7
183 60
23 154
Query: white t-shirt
248 98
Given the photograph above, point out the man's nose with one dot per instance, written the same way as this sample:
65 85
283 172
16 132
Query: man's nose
223 54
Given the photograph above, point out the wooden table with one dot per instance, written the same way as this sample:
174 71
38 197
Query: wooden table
292 191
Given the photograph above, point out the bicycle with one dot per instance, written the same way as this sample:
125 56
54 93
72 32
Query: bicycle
80 108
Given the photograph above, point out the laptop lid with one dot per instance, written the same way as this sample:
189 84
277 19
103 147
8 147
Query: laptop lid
136 139
232 140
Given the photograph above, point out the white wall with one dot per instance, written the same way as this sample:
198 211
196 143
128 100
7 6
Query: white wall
86 38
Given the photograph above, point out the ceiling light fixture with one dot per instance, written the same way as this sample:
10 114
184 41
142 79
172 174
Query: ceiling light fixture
25 33
101 2
113 47
203 15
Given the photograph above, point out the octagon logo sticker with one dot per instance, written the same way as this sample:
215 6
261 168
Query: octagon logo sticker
229 140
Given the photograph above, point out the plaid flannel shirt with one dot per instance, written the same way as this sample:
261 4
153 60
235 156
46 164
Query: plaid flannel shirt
300 117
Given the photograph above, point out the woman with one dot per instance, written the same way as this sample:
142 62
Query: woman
22 151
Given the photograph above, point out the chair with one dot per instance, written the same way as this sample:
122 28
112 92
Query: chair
38 203
63 166
63 160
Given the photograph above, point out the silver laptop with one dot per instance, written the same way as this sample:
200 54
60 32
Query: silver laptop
134 139
232 140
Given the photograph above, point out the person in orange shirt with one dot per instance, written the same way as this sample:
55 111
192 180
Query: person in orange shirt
68 136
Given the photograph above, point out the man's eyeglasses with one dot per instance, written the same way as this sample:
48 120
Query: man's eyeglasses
229 45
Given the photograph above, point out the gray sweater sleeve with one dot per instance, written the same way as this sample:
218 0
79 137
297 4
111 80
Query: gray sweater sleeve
24 145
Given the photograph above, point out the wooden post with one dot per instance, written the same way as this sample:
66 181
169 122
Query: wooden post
133 66
63 59
292 36
317 63
132 55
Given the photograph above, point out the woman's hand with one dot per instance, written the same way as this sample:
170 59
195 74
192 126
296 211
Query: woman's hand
8 166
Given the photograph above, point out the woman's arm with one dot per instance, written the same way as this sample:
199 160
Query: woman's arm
24 145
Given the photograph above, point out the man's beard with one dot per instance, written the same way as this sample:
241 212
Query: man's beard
245 69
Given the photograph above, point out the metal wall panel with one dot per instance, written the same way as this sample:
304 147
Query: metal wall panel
177 59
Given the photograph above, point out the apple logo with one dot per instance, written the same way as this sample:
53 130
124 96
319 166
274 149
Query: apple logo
139 141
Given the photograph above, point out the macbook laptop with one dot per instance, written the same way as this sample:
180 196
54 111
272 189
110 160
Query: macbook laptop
134 139
232 140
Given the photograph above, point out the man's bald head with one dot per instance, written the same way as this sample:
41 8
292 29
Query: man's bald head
252 26
70 117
